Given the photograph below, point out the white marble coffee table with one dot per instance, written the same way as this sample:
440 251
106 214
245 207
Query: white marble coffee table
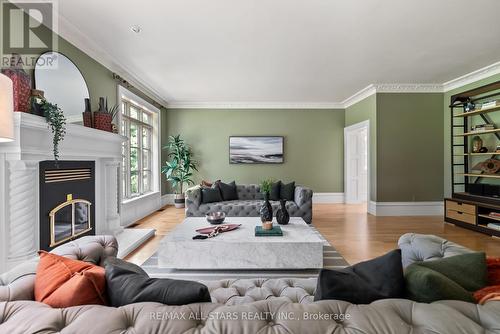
299 247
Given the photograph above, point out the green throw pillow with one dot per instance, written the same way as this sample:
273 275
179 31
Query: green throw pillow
451 278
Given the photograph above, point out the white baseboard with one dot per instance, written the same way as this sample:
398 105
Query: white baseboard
167 199
328 198
406 208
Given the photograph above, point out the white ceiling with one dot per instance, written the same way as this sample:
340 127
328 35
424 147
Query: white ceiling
286 51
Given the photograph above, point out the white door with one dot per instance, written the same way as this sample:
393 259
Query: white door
356 163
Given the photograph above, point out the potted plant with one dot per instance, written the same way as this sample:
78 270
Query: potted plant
103 117
266 210
57 123
179 169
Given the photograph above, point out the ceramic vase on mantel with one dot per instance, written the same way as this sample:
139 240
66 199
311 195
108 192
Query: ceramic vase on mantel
87 114
21 83
266 213
282 215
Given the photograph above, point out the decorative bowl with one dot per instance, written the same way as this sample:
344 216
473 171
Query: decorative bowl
216 218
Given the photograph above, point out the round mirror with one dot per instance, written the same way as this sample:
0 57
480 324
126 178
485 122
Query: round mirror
62 83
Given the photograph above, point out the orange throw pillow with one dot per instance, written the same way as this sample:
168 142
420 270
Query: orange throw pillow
63 282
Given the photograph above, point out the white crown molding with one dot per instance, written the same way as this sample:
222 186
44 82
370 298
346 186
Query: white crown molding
255 105
76 37
471 77
360 95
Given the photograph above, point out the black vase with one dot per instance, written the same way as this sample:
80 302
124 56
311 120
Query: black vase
266 210
282 216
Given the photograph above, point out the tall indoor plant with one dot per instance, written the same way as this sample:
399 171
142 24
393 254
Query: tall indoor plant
179 168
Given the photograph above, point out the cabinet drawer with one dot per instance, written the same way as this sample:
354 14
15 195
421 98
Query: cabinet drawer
461 207
461 216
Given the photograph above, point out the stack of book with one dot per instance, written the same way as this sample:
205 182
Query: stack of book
494 226
483 127
274 232
490 104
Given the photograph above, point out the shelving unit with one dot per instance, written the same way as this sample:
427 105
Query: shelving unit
474 195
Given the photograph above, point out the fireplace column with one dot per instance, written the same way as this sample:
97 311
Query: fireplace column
111 181
22 211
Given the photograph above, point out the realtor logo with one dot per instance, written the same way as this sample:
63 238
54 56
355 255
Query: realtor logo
29 28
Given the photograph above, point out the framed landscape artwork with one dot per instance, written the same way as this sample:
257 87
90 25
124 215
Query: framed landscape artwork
256 149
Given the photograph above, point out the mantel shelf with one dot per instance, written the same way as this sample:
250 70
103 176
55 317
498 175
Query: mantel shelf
477 133
478 112
491 176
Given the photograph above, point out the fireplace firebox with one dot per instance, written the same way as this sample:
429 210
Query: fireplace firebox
67 195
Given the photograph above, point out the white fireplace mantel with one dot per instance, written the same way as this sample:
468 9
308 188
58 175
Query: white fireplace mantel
19 195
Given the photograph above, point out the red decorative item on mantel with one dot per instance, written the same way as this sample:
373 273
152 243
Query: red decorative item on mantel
21 82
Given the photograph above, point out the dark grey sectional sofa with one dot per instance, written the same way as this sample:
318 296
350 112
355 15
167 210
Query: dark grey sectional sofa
248 203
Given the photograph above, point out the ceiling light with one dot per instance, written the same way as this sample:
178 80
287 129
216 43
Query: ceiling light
136 29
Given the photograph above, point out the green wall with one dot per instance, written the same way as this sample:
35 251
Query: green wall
447 127
362 111
409 146
313 143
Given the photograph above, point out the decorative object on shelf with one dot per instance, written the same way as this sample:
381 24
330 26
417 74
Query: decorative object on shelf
37 102
216 218
482 127
179 169
282 215
256 150
57 123
483 150
87 114
497 149
21 83
6 109
491 166
266 210
469 106
477 143
103 117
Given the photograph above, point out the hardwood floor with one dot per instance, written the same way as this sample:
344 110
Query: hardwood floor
356 235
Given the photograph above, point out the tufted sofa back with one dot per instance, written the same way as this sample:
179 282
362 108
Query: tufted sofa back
248 192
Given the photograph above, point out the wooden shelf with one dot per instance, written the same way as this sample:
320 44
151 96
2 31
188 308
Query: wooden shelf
473 154
477 133
491 176
478 112
489 217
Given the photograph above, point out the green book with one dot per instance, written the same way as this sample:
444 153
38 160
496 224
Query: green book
274 232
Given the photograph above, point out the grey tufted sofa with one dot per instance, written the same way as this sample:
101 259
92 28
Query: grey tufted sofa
248 203
249 306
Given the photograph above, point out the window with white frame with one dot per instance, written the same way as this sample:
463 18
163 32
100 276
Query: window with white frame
138 126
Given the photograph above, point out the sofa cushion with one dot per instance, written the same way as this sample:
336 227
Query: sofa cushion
364 282
210 195
129 286
287 191
227 190
274 194
493 267
63 282
451 278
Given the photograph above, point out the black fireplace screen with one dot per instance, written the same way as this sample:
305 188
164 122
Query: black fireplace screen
67 201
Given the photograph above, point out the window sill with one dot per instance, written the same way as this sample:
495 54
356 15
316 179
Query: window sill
139 198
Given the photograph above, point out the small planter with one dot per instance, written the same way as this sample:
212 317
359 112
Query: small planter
102 121
179 201
267 225
87 119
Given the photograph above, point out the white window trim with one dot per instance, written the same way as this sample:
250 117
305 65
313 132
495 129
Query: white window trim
125 94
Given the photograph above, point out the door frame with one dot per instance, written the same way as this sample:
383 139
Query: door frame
347 132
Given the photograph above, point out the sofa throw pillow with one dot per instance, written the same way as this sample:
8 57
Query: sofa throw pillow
210 195
63 282
228 191
114 261
493 268
287 191
128 287
364 282
451 278
275 193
